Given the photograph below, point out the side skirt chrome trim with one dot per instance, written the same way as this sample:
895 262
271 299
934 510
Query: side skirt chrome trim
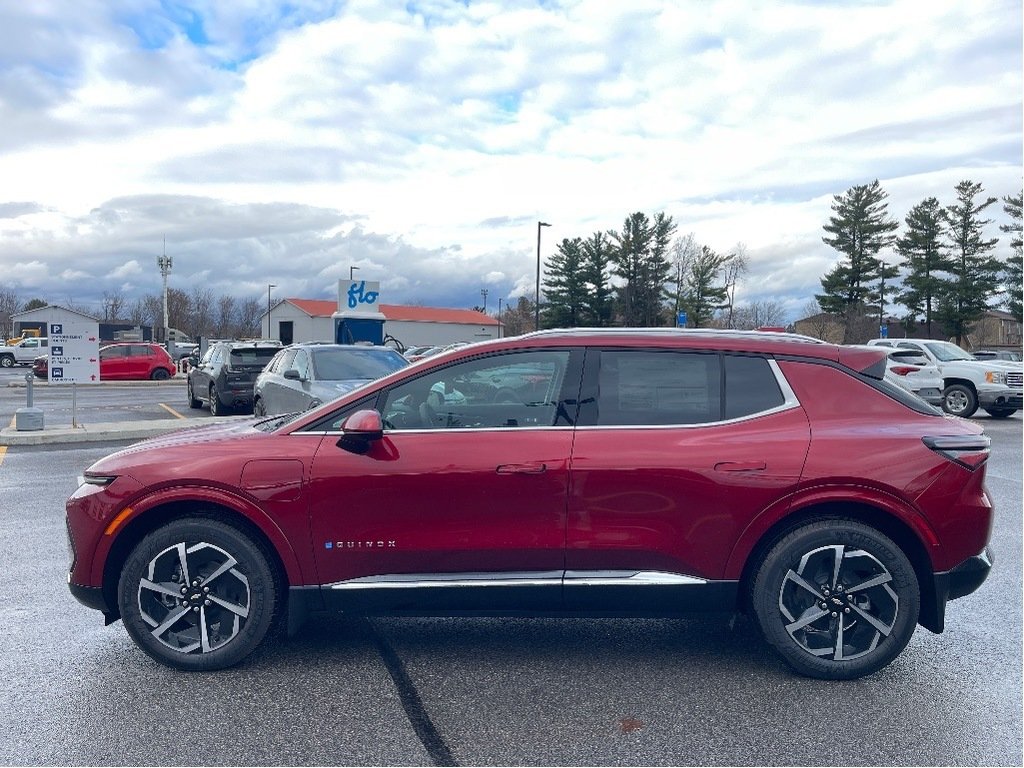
518 579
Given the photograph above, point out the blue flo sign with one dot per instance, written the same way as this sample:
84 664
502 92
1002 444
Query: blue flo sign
358 296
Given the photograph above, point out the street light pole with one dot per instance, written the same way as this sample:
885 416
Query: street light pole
270 328
350 271
536 301
500 329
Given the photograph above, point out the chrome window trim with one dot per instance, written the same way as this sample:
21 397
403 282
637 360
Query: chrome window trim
518 579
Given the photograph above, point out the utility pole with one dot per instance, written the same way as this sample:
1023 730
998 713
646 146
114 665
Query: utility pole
165 263
483 292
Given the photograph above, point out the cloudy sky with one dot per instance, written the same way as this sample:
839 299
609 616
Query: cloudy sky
285 141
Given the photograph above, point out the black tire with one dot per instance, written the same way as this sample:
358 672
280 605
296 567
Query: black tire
193 401
6 361
959 400
1000 413
803 609
258 408
238 600
159 374
217 408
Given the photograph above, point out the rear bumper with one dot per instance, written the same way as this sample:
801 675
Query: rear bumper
957 582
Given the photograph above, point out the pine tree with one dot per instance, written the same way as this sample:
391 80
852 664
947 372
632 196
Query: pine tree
704 292
1012 272
859 229
565 286
597 304
975 274
924 259
640 256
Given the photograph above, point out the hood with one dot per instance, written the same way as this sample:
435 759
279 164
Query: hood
209 433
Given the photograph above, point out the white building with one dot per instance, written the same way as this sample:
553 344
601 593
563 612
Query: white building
297 320
40 318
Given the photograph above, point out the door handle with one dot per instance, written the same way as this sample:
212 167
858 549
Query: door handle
521 469
740 466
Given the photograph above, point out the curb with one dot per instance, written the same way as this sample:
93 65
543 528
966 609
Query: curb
96 433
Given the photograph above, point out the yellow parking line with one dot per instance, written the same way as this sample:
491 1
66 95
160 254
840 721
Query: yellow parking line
171 410
3 452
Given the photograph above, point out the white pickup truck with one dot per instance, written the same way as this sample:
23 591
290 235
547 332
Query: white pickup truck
993 385
22 353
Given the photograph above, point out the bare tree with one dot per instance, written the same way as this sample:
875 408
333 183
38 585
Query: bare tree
249 314
227 312
201 304
9 304
735 269
684 251
757 314
113 304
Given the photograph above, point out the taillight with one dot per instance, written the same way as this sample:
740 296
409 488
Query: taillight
903 370
970 451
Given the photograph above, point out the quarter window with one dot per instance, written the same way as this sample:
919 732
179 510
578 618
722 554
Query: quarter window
750 386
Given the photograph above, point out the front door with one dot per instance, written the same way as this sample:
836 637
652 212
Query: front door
461 505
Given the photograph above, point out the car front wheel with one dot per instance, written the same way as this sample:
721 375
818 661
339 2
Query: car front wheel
959 400
6 361
197 594
837 599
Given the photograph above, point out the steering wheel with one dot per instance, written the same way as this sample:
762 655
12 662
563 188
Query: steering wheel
506 395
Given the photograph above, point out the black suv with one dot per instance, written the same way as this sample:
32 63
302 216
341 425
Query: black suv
225 376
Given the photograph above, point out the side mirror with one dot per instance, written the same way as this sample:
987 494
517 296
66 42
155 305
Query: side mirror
292 373
360 431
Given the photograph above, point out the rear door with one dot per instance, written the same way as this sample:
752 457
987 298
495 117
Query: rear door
676 453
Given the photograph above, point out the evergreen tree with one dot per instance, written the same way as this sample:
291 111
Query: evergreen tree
1012 271
975 273
924 259
640 256
597 304
565 286
859 228
886 272
703 291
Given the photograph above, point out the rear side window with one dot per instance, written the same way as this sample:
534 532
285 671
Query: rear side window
653 388
258 356
661 388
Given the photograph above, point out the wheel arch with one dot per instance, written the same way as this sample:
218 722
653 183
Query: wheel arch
901 533
161 513
949 381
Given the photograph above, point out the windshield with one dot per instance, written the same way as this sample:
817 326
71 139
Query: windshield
346 364
945 351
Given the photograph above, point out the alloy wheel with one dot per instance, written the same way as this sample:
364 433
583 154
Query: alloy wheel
838 602
194 597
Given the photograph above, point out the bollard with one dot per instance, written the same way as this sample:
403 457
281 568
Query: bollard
28 419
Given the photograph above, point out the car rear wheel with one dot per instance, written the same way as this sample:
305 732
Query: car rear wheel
1000 413
197 594
959 400
216 407
159 374
837 599
193 401
6 361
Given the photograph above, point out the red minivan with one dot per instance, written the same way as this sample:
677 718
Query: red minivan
577 472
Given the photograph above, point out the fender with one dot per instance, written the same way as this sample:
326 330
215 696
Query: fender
204 494
827 493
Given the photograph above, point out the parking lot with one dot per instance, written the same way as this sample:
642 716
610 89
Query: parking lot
476 691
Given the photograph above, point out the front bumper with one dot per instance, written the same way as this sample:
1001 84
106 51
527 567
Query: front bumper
1003 397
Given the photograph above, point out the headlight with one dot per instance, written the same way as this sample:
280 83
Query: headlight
996 377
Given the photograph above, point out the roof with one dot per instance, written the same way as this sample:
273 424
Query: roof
49 308
398 312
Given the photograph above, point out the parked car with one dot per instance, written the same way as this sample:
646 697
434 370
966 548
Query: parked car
225 375
124 362
994 385
650 473
415 353
910 369
23 352
304 376
421 353
1013 356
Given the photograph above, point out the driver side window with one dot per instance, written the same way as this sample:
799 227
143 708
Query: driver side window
513 390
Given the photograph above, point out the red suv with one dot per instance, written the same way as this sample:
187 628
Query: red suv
125 361
588 473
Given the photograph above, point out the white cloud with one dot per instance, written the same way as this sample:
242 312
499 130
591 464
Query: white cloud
276 142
